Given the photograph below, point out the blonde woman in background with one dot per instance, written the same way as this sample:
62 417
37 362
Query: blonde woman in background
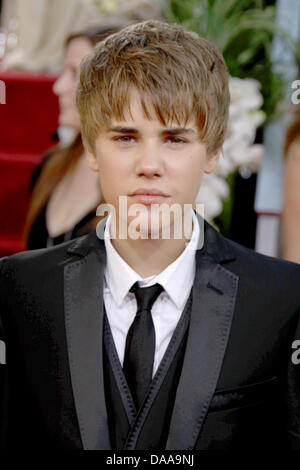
65 192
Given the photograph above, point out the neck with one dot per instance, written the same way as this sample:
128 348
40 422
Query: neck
149 257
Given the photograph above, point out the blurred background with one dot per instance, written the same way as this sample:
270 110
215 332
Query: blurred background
47 193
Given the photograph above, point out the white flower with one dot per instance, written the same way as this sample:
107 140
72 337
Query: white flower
254 155
212 190
239 151
244 94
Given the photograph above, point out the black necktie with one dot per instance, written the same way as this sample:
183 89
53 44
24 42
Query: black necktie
140 343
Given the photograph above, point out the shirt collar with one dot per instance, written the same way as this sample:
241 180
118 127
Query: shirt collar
176 279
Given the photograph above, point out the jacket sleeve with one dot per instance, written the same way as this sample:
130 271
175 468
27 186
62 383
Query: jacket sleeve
293 390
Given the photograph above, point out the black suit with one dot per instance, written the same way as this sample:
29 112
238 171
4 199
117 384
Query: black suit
237 389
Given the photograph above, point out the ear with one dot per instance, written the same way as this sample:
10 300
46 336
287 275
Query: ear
93 163
212 162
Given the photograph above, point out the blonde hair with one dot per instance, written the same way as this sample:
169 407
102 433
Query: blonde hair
182 75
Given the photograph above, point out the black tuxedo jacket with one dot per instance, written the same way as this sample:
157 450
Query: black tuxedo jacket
239 386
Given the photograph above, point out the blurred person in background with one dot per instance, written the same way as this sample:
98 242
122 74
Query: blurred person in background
291 206
65 192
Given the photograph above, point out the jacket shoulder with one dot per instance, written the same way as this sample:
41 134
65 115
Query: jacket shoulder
244 253
265 276
233 254
43 258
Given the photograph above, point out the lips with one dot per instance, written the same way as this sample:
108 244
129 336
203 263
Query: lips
148 196
148 192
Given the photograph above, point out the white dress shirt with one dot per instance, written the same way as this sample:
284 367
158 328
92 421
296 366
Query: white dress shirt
120 304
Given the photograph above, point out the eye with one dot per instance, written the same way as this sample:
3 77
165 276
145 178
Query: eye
175 139
73 72
127 139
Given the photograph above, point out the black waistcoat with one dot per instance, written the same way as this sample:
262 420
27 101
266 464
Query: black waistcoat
148 427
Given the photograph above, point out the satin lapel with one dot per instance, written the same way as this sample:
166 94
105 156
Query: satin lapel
214 294
84 327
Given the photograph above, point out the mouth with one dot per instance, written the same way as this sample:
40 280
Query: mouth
147 199
148 196
148 192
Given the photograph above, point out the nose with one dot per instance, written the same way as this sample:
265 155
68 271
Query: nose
60 85
150 161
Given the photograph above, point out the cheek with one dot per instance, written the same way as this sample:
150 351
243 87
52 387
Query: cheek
189 180
110 179
114 168
72 92
68 92
190 173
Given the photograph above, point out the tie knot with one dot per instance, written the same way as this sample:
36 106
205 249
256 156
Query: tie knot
146 296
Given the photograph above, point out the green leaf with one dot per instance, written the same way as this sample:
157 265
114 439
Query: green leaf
243 31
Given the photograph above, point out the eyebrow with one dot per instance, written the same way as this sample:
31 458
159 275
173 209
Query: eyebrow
131 130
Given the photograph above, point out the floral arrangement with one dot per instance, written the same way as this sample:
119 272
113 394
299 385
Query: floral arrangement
243 31
239 150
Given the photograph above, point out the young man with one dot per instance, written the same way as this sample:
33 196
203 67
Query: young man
126 338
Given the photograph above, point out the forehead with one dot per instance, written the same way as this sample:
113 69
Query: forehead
76 50
141 110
